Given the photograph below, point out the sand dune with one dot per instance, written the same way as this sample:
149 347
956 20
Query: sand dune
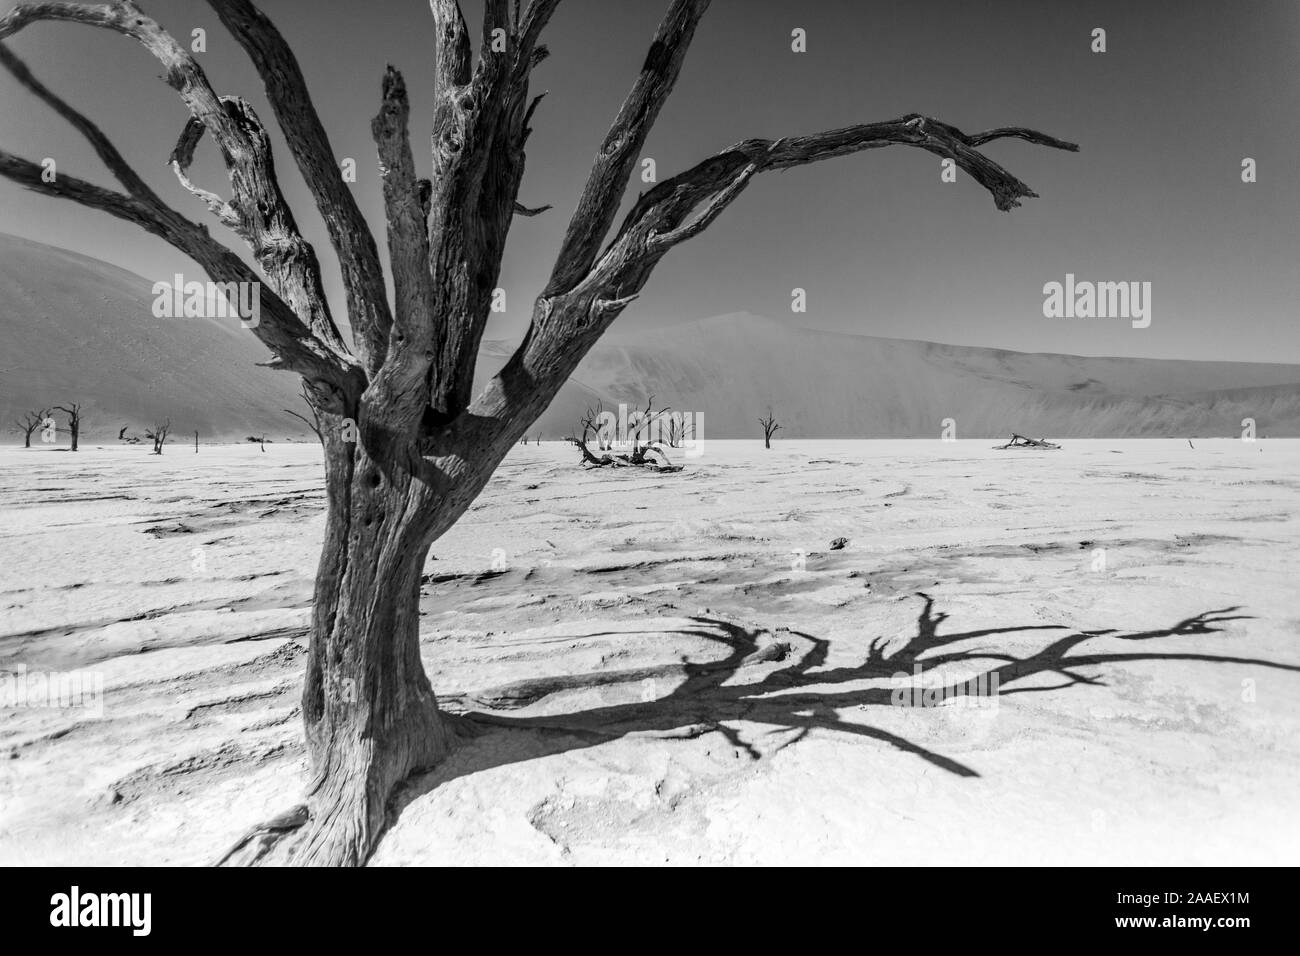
731 368
77 329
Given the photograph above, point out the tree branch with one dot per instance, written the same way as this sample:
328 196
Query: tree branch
478 162
661 218
181 158
280 329
622 146
671 200
535 20
288 261
496 15
401 385
721 200
529 211
286 89
104 149
451 45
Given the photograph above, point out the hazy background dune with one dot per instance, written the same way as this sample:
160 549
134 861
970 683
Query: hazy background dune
78 329
829 385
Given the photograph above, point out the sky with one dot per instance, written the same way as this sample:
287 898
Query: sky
1184 92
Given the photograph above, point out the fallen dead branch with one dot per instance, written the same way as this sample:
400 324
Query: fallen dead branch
596 425
1020 441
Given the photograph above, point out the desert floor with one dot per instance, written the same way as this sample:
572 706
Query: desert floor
1137 601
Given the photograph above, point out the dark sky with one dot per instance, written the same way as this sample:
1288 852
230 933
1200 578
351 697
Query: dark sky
1164 118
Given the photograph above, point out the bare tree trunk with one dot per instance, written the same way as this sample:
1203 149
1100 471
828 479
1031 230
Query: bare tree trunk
370 714
769 428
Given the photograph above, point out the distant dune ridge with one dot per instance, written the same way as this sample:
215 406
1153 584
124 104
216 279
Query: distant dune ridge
78 329
75 329
731 368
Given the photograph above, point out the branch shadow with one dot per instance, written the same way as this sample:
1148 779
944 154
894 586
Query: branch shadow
799 695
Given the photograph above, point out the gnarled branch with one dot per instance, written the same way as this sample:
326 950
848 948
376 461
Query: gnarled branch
288 260
280 328
478 160
181 158
104 149
401 385
286 90
622 146
659 213
535 19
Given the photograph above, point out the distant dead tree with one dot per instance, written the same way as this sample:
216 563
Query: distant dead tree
591 426
595 424
30 422
73 411
425 444
643 426
196 441
158 435
769 428
314 422
679 430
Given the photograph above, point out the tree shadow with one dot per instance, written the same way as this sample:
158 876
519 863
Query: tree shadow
799 694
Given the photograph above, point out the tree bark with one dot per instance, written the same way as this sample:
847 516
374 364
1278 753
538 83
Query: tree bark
369 712
370 715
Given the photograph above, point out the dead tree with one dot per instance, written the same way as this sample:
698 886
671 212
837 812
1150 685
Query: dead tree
769 428
73 411
591 424
158 436
1020 441
679 430
314 422
424 445
643 426
30 422
640 429
592 427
